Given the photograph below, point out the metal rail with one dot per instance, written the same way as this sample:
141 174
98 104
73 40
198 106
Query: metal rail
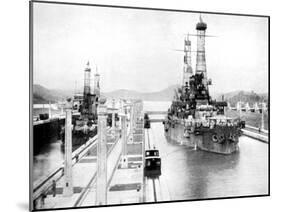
148 139
147 178
154 190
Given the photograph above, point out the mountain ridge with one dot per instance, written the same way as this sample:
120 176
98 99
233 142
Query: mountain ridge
45 95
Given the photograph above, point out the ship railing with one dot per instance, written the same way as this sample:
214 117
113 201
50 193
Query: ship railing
209 123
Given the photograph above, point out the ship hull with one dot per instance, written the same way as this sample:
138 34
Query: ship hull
44 134
203 138
204 142
175 133
53 131
221 139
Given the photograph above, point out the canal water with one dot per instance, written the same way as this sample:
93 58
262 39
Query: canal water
49 158
195 174
189 173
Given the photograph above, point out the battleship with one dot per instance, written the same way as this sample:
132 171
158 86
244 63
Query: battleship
86 104
194 117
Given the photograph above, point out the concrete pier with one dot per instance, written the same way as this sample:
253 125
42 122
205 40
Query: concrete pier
68 185
101 183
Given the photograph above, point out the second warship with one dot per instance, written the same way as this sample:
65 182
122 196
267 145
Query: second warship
86 104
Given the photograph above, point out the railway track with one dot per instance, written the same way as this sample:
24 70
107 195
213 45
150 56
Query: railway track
154 190
151 183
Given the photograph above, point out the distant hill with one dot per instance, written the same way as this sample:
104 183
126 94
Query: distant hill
42 95
245 96
163 95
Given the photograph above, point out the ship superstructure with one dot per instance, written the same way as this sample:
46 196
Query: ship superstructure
90 98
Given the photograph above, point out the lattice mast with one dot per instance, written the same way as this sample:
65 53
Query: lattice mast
187 68
200 56
87 89
87 79
97 83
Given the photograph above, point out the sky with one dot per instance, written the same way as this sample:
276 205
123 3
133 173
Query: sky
134 49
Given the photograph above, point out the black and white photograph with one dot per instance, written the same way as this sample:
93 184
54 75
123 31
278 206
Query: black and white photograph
143 105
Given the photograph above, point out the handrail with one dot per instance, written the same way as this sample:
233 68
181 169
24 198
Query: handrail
86 189
74 156
80 152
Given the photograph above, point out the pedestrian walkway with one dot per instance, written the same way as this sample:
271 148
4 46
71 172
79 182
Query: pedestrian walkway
126 184
256 130
255 135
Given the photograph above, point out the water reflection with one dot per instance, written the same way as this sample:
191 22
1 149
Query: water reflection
49 158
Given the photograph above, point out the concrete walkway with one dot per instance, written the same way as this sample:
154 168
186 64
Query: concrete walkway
126 184
255 135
